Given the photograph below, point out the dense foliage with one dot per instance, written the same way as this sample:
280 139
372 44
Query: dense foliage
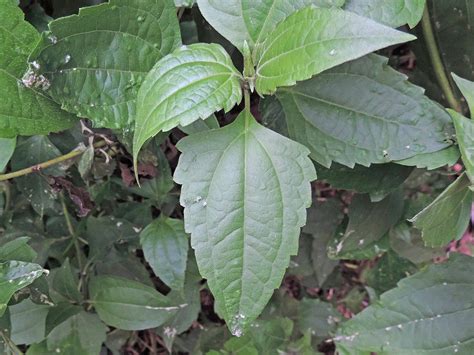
236 176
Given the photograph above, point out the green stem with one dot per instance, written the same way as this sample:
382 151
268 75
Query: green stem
35 168
70 228
437 62
247 99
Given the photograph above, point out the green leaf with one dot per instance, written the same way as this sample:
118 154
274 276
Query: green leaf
447 217
320 318
65 283
368 223
252 20
17 249
130 305
201 125
60 313
323 221
81 334
378 180
191 83
364 112
428 313
407 242
245 192
388 270
15 275
35 187
313 40
184 3
393 13
445 157
24 110
467 89
165 246
28 322
7 147
95 66
465 137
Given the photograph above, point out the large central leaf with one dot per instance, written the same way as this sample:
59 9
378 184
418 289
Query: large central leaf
315 39
245 191
364 112
24 109
96 61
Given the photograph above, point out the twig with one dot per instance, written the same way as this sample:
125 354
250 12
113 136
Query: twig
436 61
35 168
70 228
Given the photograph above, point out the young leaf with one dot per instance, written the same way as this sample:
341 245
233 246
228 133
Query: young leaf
252 20
28 322
393 13
467 89
7 147
191 83
15 275
368 223
81 334
245 190
315 39
96 61
130 305
165 246
65 283
429 312
447 217
24 110
465 136
364 112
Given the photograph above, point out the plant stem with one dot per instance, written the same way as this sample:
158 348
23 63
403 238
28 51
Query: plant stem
70 228
247 99
437 62
35 168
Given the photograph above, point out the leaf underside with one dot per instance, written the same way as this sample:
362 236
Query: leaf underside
245 192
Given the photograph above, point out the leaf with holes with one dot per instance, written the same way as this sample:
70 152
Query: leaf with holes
245 191
95 67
